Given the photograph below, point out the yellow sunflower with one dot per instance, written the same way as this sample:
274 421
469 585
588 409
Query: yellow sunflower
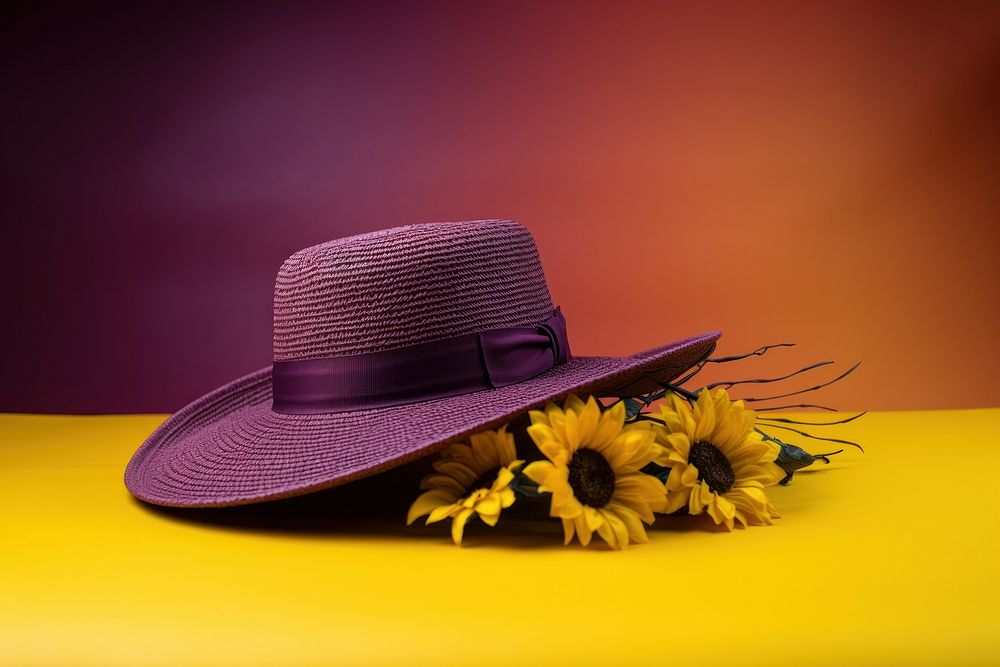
718 464
592 471
470 479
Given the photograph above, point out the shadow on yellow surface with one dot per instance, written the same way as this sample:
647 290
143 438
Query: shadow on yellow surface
376 507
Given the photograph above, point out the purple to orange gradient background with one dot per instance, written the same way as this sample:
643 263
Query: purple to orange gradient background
821 175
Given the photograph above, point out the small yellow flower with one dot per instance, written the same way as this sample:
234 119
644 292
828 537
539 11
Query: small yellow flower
718 464
592 471
470 479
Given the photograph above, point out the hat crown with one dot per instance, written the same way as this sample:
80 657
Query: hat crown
407 285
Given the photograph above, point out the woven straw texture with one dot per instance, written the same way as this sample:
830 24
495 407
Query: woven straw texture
407 285
370 292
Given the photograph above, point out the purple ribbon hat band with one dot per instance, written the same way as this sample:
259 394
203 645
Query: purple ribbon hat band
449 367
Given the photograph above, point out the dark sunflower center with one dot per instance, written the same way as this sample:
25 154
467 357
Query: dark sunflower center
484 481
591 478
713 466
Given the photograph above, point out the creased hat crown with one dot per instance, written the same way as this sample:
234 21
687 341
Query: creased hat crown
407 285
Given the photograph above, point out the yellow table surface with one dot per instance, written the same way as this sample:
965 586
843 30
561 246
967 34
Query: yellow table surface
890 557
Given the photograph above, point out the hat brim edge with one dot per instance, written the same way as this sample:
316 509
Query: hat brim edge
638 373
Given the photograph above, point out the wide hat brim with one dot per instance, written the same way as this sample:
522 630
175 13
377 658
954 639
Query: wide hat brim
230 448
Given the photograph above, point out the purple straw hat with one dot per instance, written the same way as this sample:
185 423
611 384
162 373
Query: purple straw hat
387 347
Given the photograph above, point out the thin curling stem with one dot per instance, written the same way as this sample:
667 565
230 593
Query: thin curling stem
689 395
791 407
646 418
759 352
813 437
804 369
804 391
689 376
802 423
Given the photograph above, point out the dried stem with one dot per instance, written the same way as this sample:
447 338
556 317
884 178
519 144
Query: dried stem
759 352
802 423
799 405
813 437
804 369
805 391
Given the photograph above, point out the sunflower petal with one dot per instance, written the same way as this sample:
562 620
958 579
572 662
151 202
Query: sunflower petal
572 442
704 417
677 500
682 412
645 487
765 474
593 517
679 443
589 416
428 502
746 453
489 519
539 417
689 477
505 447
636 531
721 511
568 530
507 497
613 530
504 478
538 471
557 420
583 531
609 425
566 506
573 403
548 442
458 525
461 473
489 505
607 533
484 449
442 483
701 496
